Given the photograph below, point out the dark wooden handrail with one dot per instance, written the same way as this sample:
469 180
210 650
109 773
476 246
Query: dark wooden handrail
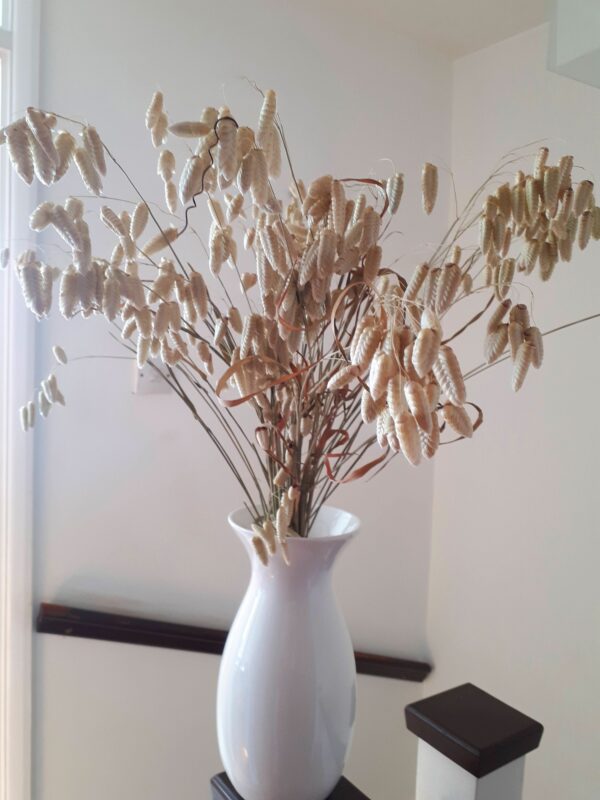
87 624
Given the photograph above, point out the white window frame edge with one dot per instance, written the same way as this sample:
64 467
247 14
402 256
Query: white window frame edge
17 356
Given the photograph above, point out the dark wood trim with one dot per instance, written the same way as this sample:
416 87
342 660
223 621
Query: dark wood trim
67 621
223 790
474 729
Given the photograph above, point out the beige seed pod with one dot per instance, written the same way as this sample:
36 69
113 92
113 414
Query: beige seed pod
370 232
111 296
430 442
584 229
44 404
432 392
408 437
366 347
447 287
171 196
199 294
260 178
429 187
65 147
534 337
495 343
467 283
518 204
19 150
248 280
596 222
235 319
425 350
117 256
69 292
547 261
498 232
39 128
394 189
74 208
189 129
166 165
418 404
249 237
159 130
244 142
458 419
505 277
139 220
506 242
246 172
485 234
43 166
565 168
532 196
93 144
260 549
540 162
59 354
220 331
154 110
190 181
143 318
41 217
338 207
162 239
515 338
112 221
449 376
368 409
551 189
395 399
498 315
342 377
521 365
129 328
142 351
520 314
266 118
87 170
416 282
162 319
380 371
583 195
504 196
532 253
234 207
430 291
372 264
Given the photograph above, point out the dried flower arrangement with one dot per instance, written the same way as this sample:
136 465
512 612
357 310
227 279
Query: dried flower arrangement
336 352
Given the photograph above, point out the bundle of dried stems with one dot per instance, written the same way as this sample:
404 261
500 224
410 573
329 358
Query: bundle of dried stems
336 352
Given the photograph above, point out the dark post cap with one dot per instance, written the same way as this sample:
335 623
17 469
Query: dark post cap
223 790
473 729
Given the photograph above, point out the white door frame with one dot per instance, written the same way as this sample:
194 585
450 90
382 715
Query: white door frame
17 335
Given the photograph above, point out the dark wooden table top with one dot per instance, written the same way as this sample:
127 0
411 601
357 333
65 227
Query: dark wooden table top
223 790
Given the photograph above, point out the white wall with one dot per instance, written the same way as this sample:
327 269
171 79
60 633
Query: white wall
514 591
130 499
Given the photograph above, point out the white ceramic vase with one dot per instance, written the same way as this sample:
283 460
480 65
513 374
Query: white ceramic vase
287 684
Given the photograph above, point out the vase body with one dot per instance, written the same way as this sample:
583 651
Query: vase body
287 684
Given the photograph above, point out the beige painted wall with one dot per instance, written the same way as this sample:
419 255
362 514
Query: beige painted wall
514 593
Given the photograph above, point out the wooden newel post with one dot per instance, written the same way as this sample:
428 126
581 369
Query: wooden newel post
471 746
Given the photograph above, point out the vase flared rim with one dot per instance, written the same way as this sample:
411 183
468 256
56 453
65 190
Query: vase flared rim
331 523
